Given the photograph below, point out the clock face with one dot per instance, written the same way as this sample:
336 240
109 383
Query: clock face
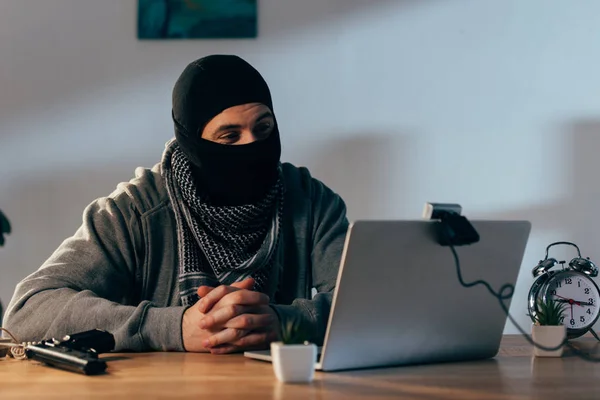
579 295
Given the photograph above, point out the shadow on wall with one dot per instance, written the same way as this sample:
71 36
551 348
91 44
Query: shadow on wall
284 17
584 223
576 215
46 210
370 172
64 50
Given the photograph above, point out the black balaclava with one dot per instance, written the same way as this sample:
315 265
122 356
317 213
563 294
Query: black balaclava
226 174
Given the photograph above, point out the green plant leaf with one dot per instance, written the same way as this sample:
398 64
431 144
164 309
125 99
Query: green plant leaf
549 312
293 332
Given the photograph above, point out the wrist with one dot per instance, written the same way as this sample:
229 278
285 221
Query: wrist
158 326
192 335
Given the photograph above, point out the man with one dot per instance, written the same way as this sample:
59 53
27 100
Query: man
213 249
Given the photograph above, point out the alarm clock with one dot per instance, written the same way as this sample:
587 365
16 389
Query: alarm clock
571 285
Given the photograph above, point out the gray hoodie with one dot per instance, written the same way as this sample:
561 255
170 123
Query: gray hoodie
119 271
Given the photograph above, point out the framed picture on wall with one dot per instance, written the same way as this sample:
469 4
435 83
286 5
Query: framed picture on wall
197 19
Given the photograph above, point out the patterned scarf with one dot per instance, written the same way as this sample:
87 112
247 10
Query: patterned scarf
221 245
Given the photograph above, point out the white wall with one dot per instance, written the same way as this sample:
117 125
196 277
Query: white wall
491 103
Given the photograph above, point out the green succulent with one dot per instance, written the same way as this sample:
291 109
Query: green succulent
549 312
292 332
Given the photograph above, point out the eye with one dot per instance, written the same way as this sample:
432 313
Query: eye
263 129
229 137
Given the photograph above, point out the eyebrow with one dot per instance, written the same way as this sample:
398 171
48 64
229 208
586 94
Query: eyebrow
227 127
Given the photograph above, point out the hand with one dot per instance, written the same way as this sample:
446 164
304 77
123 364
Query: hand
241 318
193 335
254 329
210 296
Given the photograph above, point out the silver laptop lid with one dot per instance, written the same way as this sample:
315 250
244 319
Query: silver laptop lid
398 299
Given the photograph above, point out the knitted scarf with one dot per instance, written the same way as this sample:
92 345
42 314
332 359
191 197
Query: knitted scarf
221 244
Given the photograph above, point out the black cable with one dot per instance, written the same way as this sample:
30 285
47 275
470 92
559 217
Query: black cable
501 296
594 334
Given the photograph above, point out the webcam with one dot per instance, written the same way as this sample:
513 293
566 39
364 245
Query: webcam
453 229
439 210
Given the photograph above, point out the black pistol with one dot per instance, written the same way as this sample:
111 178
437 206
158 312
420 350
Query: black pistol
76 353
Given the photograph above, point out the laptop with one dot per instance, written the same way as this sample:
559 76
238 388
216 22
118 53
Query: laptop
398 300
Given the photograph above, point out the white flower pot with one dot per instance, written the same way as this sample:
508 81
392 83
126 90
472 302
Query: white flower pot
294 362
548 336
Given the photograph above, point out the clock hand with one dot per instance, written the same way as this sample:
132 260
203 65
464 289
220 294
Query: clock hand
564 298
571 310
581 303
570 301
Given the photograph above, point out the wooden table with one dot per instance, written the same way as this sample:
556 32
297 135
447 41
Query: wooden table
513 374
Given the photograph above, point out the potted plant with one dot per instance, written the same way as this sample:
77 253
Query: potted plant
548 329
294 357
